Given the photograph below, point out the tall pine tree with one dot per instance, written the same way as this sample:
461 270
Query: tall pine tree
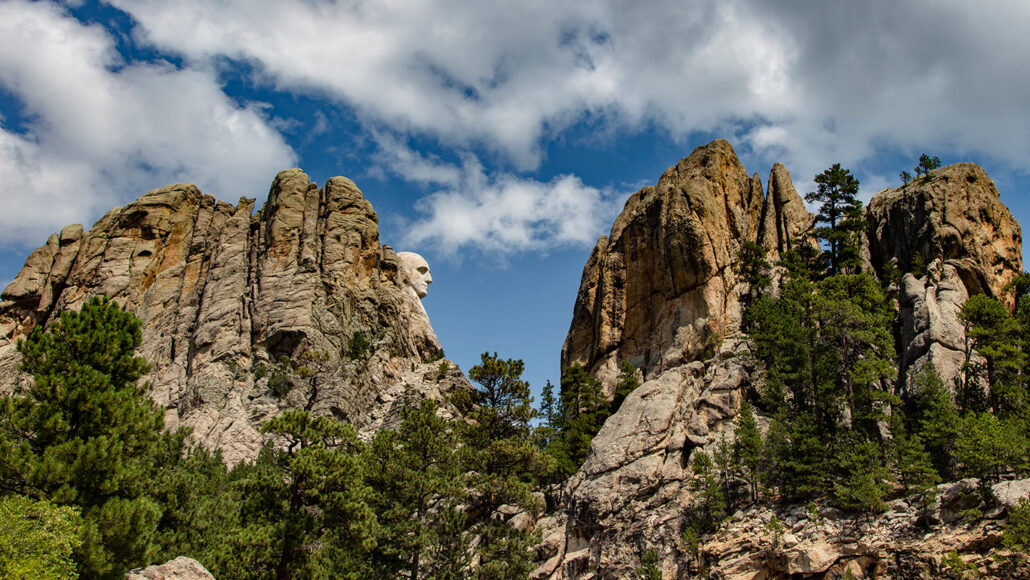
841 213
85 434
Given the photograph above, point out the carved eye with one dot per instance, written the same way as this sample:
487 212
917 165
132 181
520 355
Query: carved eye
422 270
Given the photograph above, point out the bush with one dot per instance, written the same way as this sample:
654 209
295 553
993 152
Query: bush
37 539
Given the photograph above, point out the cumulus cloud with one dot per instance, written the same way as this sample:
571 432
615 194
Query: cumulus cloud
810 81
98 131
807 83
497 215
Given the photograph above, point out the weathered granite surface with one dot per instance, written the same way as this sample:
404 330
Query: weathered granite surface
227 296
660 292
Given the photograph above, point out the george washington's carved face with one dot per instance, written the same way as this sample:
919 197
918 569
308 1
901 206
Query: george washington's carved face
414 270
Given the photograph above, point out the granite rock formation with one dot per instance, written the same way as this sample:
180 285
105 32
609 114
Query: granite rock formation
950 237
227 297
181 568
660 293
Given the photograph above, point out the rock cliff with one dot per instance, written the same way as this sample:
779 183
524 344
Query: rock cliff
661 293
226 297
949 236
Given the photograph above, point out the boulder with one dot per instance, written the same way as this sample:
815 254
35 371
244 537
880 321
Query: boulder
181 568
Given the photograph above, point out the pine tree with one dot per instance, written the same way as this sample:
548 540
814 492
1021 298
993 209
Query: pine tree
84 434
418 487
306 505
503 463
841 211
987 447
200 507
863 479
927 164
625 384
992 332
747 448
935 419
709 506
650 566
909 459
753 269
584 410
855 322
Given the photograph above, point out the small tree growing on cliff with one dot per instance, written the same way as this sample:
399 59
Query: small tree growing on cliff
927 164
747 448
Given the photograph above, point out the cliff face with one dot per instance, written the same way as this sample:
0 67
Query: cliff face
660 292
660 289
951 237
225 295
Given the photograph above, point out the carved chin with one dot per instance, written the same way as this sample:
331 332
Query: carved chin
420 292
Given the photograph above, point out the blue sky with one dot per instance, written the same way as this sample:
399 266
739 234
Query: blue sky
499 140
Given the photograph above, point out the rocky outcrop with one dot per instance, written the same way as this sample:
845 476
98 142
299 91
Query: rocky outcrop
659 291
227 297
949 236
927 536
181 568
635 485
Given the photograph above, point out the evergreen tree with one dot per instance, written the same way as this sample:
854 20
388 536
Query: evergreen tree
747 448
910 461
84 434
841 212
418 488
855 322
992 332
502 462
935 419
905 177
625 384
709 506
200 507
753 269
306 509
584 410
650 566
987 447
550 415
927 164
863 479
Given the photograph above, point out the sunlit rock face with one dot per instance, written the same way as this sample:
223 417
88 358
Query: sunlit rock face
414 271
225 294
660 292
949 236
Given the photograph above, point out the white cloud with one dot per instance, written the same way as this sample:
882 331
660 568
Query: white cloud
807 83
497 215
99 131
817 81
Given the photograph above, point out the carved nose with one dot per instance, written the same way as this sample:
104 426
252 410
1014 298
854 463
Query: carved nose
429 279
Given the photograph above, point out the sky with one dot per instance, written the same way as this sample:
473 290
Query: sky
497 139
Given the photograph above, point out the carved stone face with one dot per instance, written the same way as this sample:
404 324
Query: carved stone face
415 271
